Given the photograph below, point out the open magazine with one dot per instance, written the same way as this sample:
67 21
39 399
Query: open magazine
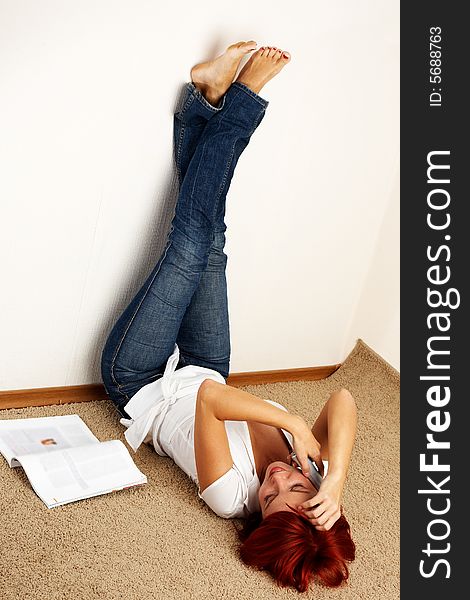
64 461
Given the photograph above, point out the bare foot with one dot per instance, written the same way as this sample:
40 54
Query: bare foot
213 78
263 65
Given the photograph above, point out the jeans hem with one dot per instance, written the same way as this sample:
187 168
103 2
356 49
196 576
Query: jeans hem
251 93
193 90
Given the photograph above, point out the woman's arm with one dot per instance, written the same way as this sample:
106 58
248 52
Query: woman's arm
216 403
335 429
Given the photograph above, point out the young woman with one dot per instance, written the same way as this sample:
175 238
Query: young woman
166 360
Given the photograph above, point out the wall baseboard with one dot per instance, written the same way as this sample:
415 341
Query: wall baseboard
261 377
86 393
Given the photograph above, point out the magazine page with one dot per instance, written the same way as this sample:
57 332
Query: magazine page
19 437
75 473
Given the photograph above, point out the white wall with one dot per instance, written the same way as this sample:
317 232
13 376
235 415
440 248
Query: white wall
87 92
376 318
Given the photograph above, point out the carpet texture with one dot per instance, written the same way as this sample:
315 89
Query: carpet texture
161 541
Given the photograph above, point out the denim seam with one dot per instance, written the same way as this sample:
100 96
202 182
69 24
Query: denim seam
178 115
257 122
187 104
119 386
227 169
178 150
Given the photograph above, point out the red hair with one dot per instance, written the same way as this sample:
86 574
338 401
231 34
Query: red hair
288 546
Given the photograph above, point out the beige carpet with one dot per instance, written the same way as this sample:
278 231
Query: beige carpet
161 541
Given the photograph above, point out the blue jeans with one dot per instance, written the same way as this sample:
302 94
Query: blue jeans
184 299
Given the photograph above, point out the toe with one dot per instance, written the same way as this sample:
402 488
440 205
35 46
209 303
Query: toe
285 56
246 45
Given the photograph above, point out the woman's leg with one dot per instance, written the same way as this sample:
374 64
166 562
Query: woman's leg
188 125
142 339
212 78
204 334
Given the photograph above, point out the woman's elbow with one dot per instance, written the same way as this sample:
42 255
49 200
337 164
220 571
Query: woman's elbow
204 389
346 393
207 389
345 396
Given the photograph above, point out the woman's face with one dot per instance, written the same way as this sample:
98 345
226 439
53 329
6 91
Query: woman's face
283 485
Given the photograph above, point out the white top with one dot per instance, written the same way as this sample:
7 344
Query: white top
162 413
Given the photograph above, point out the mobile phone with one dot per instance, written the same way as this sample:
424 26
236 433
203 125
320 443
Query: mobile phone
314 474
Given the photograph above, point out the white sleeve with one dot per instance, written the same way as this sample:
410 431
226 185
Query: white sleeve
226 495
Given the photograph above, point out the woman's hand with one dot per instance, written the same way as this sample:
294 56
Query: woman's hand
306 445
323 510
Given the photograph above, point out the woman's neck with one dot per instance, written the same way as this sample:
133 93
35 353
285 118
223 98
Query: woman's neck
268 444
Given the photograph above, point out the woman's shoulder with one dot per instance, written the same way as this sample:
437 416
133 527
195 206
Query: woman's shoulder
236 491
226 496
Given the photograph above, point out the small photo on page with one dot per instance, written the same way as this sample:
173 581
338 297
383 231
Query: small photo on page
32 441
